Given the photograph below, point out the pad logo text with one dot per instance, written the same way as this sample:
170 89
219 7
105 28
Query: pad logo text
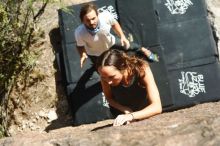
178 6
191 83
109 8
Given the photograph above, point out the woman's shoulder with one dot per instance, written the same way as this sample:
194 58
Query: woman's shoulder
144 64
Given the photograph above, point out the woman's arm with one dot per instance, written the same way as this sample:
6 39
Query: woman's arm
153 97
154 106
107 92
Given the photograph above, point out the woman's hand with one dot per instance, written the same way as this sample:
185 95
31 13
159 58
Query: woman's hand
123 119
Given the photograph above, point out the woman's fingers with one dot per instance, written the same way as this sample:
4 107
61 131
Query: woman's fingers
122 119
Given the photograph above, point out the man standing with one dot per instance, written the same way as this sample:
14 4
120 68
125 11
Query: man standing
93 36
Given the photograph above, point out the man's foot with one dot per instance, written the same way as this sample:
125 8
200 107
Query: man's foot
150 56
153 57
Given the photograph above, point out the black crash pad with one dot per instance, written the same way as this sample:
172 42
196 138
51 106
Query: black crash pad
187 40
138 21
171 11
194 85
184 43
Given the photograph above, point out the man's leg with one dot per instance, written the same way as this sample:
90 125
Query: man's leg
139 49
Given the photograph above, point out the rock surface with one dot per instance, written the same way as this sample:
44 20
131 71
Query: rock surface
198 125
213 7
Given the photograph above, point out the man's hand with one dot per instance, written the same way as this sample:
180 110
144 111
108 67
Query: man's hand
83 59
125 42
117 28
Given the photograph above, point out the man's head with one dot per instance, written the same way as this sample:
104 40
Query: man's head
89 15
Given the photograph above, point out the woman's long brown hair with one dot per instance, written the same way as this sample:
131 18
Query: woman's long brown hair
121 61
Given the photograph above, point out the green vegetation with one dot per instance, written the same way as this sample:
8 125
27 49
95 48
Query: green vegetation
18 19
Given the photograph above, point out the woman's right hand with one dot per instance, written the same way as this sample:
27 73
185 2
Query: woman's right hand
123 119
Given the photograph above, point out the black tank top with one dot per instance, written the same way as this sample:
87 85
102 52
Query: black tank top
133 96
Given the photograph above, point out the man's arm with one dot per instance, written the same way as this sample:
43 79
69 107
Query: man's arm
133 46
118 30
80 45
83 56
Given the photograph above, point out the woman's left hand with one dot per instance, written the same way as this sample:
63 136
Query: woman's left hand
123 119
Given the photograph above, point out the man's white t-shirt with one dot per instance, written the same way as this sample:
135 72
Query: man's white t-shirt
96 44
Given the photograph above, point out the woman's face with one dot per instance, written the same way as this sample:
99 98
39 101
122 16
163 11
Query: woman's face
110 75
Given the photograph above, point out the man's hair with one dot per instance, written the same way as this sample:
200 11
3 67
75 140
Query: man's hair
86 8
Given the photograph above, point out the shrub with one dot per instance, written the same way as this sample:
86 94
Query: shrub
17 21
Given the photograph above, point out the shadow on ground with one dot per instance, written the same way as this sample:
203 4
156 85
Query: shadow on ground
63 111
